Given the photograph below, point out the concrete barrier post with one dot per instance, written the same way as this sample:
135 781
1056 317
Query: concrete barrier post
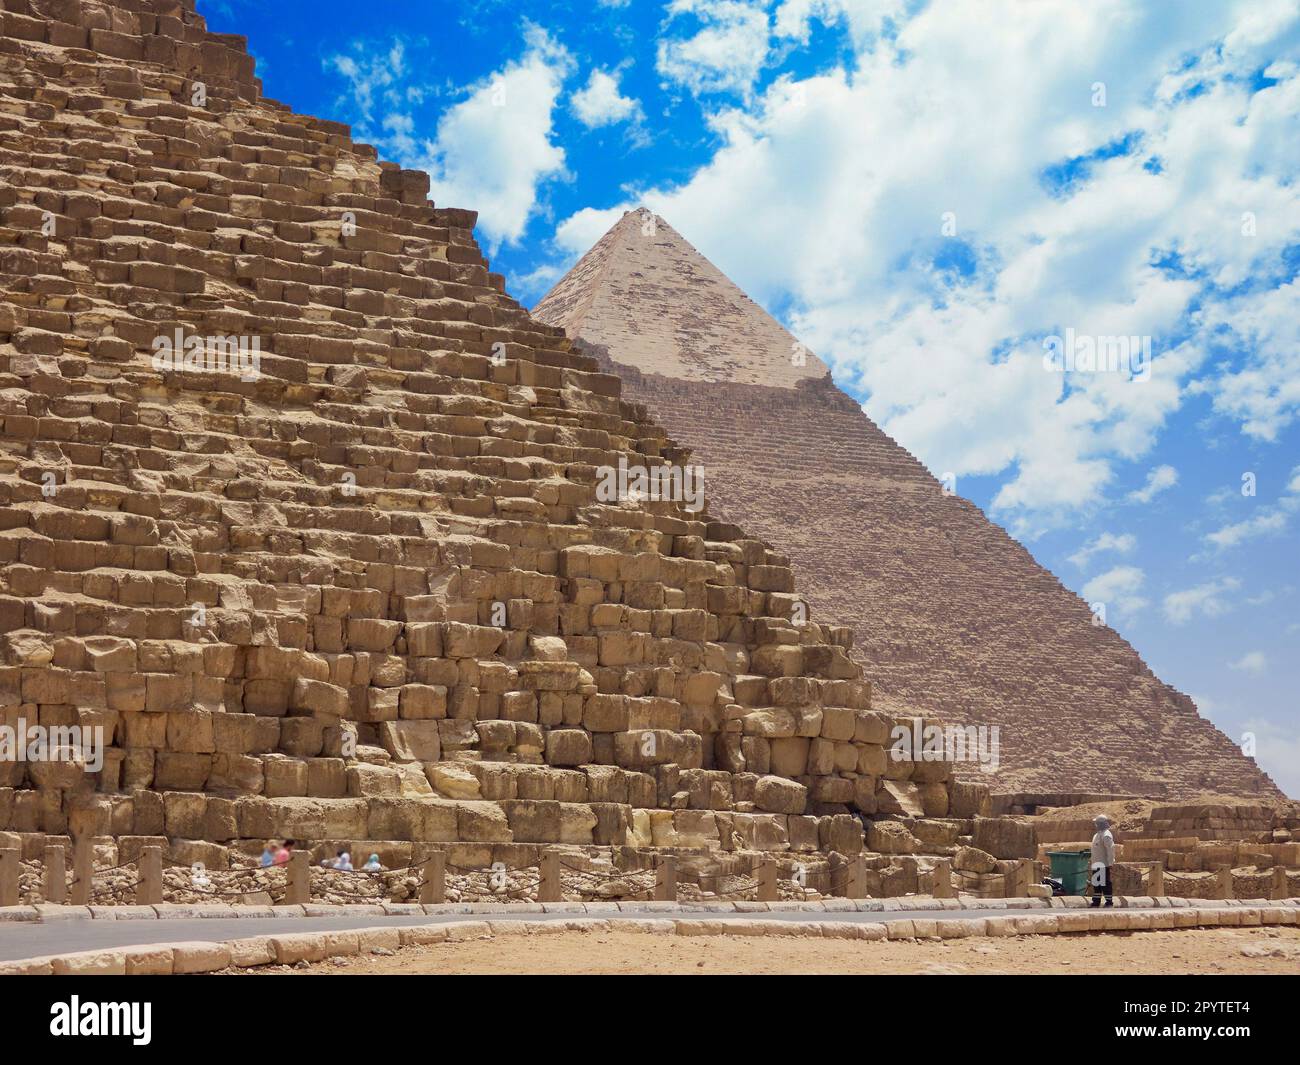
56 874
549 888
1223 886
666 879
1281 889
149 886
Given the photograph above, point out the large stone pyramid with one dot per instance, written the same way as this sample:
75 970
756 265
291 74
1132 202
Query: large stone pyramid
301 509
953 617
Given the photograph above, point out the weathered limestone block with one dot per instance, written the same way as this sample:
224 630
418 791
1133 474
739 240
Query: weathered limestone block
696 828
864 794
176 771
470 641
372 781
872 727
775 794
411 741
891 837
842 833
427 820
969 799
283 776
774 723
302 818
303 737
831 790
533 821
789 756
568 747
326 778
777 661
763 832
900 797
974 860
577 823
1005 837
318 696
482 822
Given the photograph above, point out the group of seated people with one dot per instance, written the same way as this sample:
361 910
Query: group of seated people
276 853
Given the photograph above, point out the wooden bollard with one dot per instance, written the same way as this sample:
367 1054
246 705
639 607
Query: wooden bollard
56 875
666 879
149 884
83 871
1156 880
767 880
549 887
9 869
297 889
433 878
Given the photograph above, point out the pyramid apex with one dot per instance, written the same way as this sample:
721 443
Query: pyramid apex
644 290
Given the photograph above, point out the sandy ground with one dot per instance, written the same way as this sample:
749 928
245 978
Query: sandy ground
1221 951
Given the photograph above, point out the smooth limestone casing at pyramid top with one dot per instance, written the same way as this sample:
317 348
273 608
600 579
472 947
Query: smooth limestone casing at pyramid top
366 592
952 617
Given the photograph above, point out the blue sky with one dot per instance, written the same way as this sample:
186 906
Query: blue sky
923 193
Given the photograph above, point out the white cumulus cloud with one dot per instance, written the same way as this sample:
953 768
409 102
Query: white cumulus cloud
1158 480
493 149
600 103
1118 589
1120 543
1209 599
725 53
1251 662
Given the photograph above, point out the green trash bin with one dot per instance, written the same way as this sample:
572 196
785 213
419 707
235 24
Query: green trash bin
1071 868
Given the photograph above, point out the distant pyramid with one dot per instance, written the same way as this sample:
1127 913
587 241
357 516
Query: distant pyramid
954 619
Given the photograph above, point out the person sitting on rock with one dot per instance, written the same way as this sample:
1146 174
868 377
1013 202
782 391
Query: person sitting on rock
343 862
283 855
1103 862
372 865
268 853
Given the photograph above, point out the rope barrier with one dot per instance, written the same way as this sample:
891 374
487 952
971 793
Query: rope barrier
606 877
100 872
752 886
638 880
96 891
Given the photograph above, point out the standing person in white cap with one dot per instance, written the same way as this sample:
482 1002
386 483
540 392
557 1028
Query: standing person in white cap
1103 860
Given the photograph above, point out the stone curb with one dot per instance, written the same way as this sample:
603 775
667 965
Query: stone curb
190 911
162 959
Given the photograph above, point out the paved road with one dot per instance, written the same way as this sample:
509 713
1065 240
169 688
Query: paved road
29 939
